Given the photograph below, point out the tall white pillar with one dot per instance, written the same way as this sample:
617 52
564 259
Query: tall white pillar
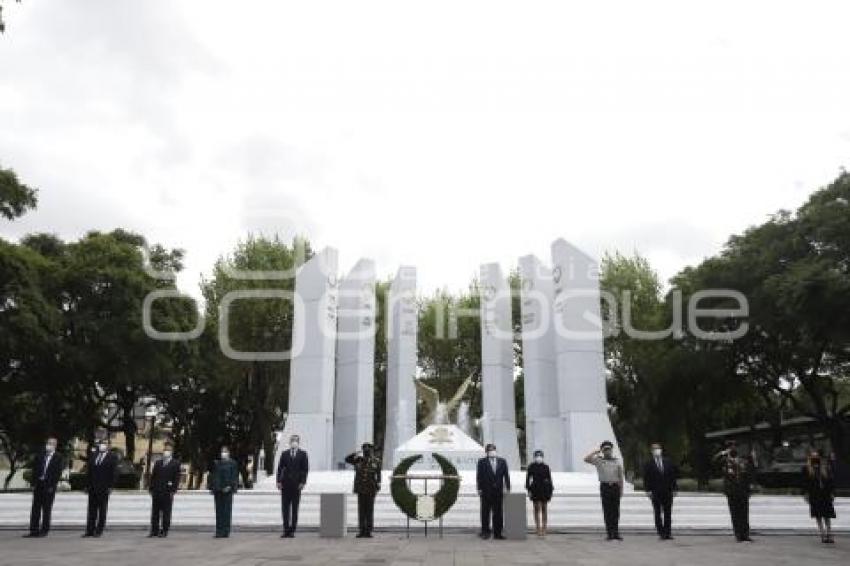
311 374
497 364
540 377
579 352
402 319
355 362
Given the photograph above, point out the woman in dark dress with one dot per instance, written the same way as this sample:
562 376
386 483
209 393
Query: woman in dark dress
819 491
538 483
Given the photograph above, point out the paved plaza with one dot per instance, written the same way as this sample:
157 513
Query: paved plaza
131 548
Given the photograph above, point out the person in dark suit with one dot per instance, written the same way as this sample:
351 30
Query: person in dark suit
819 491
165 479
46 472
100 478
223 482
493 481
538 483
659 482
367 484
737 485
292 472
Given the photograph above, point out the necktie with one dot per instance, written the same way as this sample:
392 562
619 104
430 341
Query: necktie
99 460
293 454
493 464
660 466
46 463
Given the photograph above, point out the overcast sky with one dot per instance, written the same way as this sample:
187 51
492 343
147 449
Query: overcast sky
438 134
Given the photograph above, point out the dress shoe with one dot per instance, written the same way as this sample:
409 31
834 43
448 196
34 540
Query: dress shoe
36 535
284 535
152 534
484 536
498 537
360 535
163 534
617 536
87 535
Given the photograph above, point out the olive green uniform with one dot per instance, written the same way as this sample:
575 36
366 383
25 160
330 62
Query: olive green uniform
367 483
223 481
737 485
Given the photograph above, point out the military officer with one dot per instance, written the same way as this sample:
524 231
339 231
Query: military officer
367 483
611 479
737 484
223 481
165 479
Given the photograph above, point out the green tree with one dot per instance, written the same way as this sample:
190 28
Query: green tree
15 197
794 270
254 394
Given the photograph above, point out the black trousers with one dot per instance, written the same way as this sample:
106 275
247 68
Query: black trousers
223 512
491 507
161 512
289 500
365 512
98 505
739 509
610 494
662 504
42 507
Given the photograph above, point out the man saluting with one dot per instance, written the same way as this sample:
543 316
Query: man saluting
367 483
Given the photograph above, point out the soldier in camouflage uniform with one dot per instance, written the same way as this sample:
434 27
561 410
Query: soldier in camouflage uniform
737 484
367 483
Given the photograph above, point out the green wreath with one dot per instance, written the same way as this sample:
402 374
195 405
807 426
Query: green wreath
405 499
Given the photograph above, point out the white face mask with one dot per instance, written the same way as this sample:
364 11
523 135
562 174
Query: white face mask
51 448
538 459
225 455
102 447
166 454
656 452
293 445
491 454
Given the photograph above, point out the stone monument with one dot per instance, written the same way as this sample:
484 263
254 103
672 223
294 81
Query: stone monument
542 413
402 320
311 376
579 354
497 364
355 362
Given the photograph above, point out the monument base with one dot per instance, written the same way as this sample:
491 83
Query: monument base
448 441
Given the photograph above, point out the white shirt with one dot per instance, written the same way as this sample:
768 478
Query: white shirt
659 463
493 464
46 465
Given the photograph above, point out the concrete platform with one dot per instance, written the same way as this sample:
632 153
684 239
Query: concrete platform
388 549
571 513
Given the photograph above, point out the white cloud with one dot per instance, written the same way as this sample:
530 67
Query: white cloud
441 134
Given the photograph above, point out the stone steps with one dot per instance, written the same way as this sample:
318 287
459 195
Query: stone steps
572 512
